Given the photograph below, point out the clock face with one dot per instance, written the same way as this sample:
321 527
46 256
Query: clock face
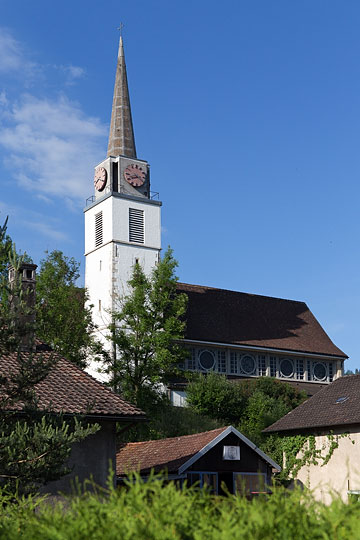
134 175
100 178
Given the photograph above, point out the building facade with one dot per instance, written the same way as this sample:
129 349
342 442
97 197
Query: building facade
211 459
332 418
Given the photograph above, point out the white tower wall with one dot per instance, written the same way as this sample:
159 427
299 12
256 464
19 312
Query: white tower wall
109 265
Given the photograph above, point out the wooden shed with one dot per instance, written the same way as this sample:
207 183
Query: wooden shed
217 458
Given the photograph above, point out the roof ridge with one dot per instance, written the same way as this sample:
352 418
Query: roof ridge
241 292
178 436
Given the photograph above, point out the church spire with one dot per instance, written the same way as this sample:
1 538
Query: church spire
121 138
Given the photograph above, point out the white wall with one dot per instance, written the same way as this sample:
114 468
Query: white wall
340 474
108 267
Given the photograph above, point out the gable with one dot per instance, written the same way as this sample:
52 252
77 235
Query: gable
178 454
217 445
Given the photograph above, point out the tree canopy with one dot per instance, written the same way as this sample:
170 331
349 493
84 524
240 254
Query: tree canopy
146 330
63 316
250 405
34 444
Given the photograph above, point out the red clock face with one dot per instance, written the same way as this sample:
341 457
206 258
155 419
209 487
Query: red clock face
135 175
100 178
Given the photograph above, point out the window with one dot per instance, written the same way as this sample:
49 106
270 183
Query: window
191 360
319 371
247 364
231 453
286 368
299 368
206 360
221 358
342 399
262 365
272 366
233 362
308 364
136 225
249 483
203 479
98 229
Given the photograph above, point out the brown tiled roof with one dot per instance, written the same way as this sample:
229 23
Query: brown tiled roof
161 454
223 316
70 390
322 410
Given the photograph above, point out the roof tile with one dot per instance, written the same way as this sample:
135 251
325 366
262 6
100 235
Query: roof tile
323 410
219 315
163 453
70 390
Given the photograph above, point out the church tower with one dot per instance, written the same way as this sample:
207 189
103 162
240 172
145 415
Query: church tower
122 220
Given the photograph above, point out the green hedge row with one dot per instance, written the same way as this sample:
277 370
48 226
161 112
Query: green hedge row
158 511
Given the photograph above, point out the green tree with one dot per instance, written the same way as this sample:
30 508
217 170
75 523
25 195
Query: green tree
146 331
34 444
63 318
214 396
250 405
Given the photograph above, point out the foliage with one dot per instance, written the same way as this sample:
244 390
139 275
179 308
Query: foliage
302 450
34 444
350 372
165 420
145 331
63 318
250 405
156 511
213 395
6 246
34 448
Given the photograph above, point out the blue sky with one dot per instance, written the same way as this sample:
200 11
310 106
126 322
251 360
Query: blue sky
248 112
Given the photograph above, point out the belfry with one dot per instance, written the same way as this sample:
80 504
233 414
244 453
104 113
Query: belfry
122 220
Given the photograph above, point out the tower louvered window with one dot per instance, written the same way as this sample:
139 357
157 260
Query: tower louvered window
136 225
98 229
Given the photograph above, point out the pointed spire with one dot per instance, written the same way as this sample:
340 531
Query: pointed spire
121 138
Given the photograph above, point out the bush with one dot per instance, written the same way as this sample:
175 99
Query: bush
158 511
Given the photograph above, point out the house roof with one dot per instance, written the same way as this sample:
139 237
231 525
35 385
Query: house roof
338 404
70 390
175 454
231 317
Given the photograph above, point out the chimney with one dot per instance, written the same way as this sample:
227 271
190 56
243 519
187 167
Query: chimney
23 282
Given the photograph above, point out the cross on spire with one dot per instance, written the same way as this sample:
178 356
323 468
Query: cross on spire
120 28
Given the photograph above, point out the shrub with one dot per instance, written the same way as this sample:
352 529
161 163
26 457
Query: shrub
158 511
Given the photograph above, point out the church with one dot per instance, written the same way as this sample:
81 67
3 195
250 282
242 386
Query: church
236 334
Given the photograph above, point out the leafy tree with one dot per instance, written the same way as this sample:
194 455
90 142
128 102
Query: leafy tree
34 444
63 318
6 247
214 396
146 330
350 372
250 405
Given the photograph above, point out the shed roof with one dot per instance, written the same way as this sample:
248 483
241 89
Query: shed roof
70 390
223 316
174 454
338 404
